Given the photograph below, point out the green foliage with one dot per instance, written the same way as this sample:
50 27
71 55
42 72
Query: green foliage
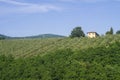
77 32
118 32
22 48
100 63
110 32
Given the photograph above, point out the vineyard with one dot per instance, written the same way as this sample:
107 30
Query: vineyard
33 47
61 59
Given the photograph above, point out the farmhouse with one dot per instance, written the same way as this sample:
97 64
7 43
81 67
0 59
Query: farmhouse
92 34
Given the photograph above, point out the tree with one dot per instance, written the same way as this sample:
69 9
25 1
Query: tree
77 32
118 32
110 32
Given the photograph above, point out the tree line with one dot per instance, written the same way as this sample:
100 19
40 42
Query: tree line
78 32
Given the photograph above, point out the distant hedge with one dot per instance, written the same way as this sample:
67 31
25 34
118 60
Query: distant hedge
101 63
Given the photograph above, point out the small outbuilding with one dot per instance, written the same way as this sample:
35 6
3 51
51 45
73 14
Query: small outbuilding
92 34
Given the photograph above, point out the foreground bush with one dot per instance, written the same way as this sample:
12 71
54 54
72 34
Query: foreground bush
101 63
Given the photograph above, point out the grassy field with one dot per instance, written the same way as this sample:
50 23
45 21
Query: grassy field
32 47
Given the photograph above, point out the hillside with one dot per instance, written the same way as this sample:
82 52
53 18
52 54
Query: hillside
39 36
3 36
61 59
32 37
33 47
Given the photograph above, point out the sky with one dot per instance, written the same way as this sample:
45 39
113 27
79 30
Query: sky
20 18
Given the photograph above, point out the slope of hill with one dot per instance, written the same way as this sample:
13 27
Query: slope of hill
33 47
32 37
65 59
46 36
3 36
39 36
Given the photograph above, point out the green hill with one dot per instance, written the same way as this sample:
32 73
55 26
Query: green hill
33 47
39 36
3 36
32 37
61 59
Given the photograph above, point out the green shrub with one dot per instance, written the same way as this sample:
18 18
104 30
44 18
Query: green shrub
100 63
